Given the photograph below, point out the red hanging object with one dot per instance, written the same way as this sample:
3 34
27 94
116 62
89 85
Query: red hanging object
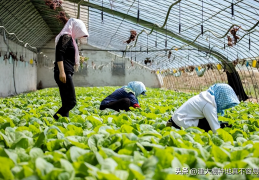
132 37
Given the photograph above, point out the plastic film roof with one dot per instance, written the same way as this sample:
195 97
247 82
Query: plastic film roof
23 19
157 28
215 16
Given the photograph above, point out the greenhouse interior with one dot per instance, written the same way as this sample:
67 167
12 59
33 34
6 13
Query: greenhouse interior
129 89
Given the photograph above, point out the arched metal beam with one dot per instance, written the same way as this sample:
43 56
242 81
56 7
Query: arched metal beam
150 25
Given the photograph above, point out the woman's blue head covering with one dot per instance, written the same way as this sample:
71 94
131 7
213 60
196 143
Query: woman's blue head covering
225 97
136 87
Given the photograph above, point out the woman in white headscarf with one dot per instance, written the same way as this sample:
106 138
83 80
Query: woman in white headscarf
67 58
202 110
124 97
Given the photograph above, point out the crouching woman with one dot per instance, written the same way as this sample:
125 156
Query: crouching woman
124 97
201 110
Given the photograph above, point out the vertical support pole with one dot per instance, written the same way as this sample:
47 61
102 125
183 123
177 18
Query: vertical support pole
232 8
135 54
147 43
166 39
102 12
202 17
138 13
179 17
156 40
249 42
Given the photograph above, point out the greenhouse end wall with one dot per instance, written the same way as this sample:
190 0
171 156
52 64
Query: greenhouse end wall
99 70
16 76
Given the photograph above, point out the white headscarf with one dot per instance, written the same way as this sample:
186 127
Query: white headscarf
76 29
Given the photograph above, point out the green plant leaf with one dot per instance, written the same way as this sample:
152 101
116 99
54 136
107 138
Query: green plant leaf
74 152
43 167
219 154
136 172
149 166
6 165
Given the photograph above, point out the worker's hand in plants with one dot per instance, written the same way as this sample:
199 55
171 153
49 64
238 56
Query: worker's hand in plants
124 97
201 110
